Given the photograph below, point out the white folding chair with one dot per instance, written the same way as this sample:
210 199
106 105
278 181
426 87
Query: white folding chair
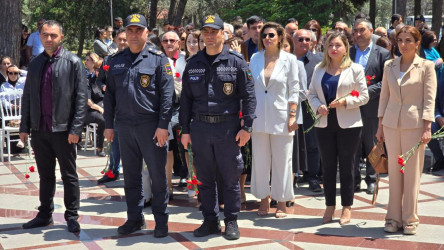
91 128
10 106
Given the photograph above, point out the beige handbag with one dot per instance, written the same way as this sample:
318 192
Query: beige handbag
378 159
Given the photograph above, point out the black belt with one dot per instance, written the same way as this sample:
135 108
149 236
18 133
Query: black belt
214 118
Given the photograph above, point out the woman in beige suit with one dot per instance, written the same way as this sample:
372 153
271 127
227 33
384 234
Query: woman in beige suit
406 111
339 129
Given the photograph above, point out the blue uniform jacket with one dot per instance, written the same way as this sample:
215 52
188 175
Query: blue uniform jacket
140 91
217 89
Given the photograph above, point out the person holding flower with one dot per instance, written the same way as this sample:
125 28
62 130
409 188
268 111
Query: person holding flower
338 88
406 112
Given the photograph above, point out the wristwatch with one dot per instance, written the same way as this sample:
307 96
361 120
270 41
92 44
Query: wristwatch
248 129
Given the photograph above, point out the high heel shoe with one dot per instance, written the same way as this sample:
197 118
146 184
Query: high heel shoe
328 214
346 215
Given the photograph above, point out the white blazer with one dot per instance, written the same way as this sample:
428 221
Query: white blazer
273 100
352 78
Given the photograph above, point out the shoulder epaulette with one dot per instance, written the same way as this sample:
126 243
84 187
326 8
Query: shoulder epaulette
155 51
236 53
189 58
117 53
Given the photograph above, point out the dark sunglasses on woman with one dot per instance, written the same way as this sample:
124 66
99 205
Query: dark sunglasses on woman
270 35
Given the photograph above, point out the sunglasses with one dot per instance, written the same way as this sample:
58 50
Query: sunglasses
270 35
13 73
301 39
169 41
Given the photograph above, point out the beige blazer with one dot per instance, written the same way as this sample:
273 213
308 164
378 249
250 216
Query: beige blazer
273 99
352 78
405 102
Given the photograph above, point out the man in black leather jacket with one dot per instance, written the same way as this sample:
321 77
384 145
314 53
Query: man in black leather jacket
54 106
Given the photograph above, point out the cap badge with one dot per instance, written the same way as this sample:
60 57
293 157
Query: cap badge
135 18
210 19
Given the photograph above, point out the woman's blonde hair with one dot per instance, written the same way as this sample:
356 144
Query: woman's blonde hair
346 61
280 31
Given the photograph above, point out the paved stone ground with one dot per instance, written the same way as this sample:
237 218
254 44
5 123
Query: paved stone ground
103 209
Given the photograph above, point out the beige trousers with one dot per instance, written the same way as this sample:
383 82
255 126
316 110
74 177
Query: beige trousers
403 188
272 152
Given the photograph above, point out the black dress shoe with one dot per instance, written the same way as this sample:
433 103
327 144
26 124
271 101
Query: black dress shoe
289 203
160 232
231 230
38 222
131 226
183 182
370 188
208 227
314 186
147 204
437 165
73 226
106 179
357 188
273 203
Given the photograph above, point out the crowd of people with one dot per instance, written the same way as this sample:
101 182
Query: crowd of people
311 103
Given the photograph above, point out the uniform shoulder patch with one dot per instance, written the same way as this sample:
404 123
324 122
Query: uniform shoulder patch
249 75
168 69
236 53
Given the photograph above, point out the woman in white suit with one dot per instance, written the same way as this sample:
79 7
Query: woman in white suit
340 125
275 74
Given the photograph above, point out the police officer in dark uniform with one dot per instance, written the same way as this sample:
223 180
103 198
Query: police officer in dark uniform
139 96
216 83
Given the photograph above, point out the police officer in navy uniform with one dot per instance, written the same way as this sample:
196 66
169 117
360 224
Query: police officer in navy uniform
216 83
139 96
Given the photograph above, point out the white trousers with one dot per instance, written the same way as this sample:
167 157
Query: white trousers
272 152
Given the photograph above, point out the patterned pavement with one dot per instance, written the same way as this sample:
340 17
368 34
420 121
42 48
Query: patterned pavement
103 209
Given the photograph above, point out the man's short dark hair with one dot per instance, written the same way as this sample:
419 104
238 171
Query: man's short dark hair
361 15
118 18
292 20
395 17
119 31
254 19
52 23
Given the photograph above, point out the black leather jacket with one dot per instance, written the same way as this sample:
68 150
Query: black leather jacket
69 93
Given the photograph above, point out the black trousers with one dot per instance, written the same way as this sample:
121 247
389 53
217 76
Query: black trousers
49 146
368 141
312 149
216 151
95 116
336 144
136 145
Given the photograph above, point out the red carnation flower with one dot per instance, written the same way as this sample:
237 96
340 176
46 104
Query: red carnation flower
31 168
199 183
27 176
102 172
240 114
354 93
189 187
369 78
401 170
197 191
110 174
194 177
106 67
189 182
177 74
194 182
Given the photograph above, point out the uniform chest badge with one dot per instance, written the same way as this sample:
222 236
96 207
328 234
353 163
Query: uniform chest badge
168 69
144 81
228 88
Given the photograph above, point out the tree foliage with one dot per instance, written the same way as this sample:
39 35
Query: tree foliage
324 11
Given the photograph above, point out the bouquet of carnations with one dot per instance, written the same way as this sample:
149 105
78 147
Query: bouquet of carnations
192 181
109 157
